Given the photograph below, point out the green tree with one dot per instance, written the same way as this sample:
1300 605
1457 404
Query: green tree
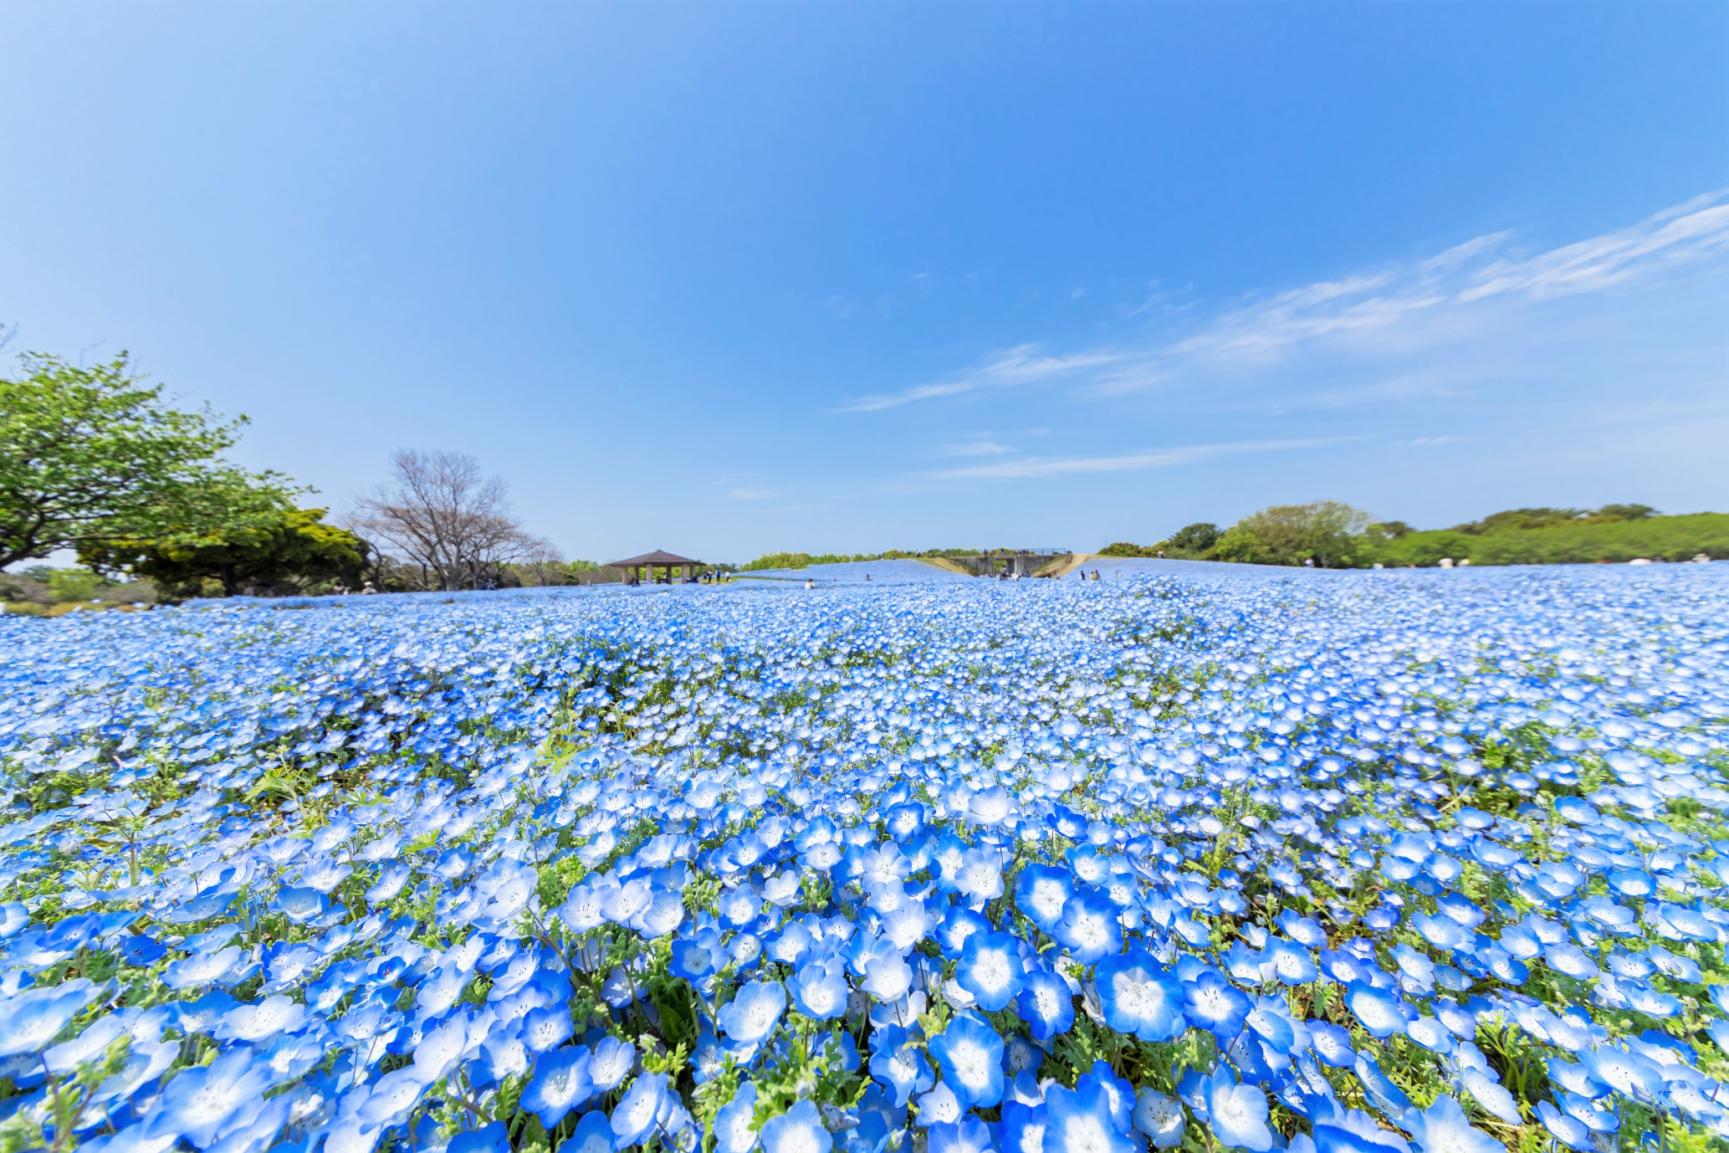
1517 518
73 584
1425 548
775 560
268 545
1328 532
1619 512
95 455
1194 539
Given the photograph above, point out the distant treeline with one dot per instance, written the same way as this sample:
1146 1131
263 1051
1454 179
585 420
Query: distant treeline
780 560
1335 535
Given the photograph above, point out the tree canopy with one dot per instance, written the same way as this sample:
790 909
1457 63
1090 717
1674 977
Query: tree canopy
1194 539
1327 532
94 456
269 547
1335 535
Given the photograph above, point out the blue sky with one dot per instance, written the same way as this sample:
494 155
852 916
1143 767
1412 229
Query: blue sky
845 277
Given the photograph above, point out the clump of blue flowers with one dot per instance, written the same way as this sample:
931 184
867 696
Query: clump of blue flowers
1424 862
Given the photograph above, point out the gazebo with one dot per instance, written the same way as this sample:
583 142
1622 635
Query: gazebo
666 562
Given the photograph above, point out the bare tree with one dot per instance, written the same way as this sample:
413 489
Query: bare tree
440 515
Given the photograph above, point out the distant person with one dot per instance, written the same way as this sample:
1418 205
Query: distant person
867 576
367 589
809 583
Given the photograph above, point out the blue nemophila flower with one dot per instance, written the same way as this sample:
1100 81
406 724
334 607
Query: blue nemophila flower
545 1029
201 1102
1089 928
1290 963
898 1064
1443 1128
610 1062
560 1083
990 969
1491 1095
492 1138
1159 1118
1236 1113
798 1130
938 1106
32 1019
593 1134
1380 1012
1023 1127
1041 892
1340 1130
1382 1089
753 1012
1139 996
1627 1073
887 976
258 1022
970 1054
1081 1120
968 1135
1047 1005
89 1044
1565 1128
633 1118
223 967
819 989
300 905
734 1129
1213 1003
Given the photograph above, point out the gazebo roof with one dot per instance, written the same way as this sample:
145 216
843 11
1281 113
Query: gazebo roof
658 556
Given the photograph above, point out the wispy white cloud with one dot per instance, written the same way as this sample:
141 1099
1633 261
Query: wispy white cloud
1411 386
751 492
975 444
1447 298
1023 364
1028 468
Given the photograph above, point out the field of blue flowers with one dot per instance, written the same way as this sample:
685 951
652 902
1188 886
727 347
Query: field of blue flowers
1322 862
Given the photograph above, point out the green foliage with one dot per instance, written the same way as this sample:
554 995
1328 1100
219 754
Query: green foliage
93 455
1194 539
73 584
1327 532
774 560
779 560
1421 548
1572 541
1520 518
1528 518
1623 512
264 543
